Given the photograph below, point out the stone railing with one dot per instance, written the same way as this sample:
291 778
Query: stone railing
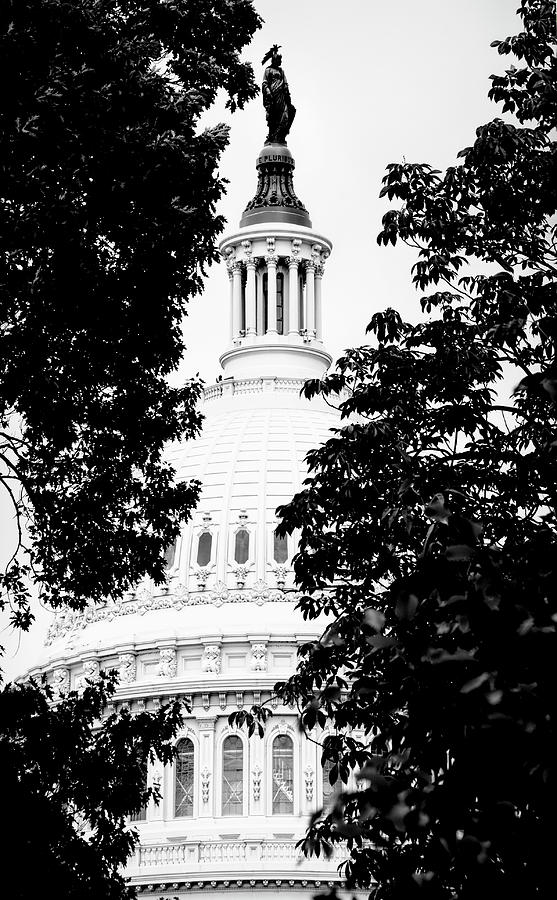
252 386
195 857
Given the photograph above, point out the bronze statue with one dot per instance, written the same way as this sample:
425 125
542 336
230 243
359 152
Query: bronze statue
276 98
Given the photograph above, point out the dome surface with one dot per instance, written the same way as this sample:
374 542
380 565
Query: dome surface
250 458
224 628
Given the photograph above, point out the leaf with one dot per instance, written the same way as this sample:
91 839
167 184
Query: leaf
436 509
374 619
406 607
459 552
475 683
380 641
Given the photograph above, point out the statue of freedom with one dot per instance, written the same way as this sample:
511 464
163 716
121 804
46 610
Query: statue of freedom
276 98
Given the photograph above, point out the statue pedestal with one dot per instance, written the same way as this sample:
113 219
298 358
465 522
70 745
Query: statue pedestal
275 199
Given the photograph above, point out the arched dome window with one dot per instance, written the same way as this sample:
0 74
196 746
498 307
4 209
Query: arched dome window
329 789
232 776
183 788
241 546
204 549
283 775
280 548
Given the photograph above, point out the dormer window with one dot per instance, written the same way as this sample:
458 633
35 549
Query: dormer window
204 549
280 549
241 546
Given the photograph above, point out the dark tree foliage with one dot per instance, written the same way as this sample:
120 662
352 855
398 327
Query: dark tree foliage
108 189
71 785
433 514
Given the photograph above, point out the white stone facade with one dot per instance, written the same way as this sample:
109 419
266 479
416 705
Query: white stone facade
224 629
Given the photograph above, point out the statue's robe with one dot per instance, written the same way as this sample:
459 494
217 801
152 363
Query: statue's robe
278 105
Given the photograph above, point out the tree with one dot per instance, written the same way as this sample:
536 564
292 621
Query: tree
107 221
69 786
428 526
108 190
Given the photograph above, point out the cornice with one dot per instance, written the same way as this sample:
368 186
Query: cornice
167 886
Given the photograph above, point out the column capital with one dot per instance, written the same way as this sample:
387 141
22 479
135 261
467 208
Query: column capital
251 263
293 261
319 269
236 265
271 259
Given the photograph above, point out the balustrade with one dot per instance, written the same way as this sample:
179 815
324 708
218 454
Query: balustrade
261 854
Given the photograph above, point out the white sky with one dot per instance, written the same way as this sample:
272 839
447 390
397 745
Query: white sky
374 82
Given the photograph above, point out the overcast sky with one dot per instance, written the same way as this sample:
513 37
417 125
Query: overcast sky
374 82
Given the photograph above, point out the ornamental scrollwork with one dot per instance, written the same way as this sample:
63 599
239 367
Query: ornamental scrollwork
259 657
256 774
205 784
69 622
202 576
308 779
167 663
241 574
127 668
60 683
90 674
210 661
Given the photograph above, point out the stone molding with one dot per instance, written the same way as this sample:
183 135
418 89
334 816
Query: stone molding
253 386
70 621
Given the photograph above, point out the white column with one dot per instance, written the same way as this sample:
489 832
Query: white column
293 296
230 303
250 297
271 261
310 299
318 304
260 317
236 299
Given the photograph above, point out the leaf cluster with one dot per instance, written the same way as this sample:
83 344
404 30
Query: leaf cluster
108 191
73 775
429 529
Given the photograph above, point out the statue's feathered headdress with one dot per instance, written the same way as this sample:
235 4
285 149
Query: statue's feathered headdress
270 53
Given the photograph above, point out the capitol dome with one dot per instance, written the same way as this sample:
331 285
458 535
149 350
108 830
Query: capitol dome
224 628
